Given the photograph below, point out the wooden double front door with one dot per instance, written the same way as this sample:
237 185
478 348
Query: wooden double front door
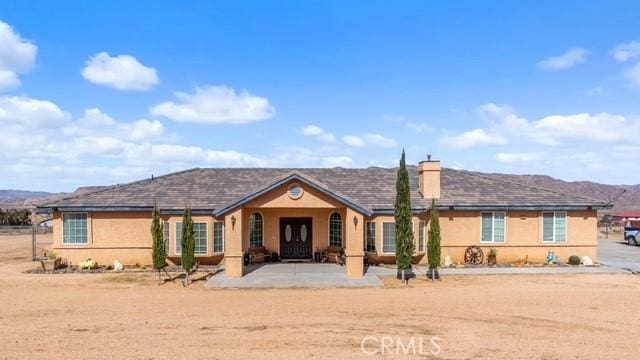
296 238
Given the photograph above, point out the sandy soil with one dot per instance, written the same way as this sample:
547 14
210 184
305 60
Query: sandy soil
129 315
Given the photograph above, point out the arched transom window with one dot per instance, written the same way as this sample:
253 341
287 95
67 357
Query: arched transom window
256 230
335 230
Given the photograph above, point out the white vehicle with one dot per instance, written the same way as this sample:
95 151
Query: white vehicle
632 235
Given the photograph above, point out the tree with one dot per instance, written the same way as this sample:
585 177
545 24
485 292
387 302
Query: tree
404 229
159 251
188 244
433 246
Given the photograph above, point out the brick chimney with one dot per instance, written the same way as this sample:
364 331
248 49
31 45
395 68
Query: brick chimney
429 178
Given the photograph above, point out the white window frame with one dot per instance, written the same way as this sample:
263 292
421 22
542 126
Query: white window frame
341 229
214 237
178 240
88 242
493 227
366 236
422 227
566 227
206 237
382 237
251 226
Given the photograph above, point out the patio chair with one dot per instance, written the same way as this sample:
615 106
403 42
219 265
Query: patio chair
260 254
335 254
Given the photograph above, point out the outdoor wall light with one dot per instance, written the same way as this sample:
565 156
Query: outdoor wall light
233 221
355 221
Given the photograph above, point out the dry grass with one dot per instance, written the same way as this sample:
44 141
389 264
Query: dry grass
129 315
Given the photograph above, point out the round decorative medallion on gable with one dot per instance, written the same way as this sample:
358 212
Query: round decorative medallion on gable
295 191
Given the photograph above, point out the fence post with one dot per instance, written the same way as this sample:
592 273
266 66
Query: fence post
33 243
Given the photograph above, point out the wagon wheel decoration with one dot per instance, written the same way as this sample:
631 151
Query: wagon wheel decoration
473 255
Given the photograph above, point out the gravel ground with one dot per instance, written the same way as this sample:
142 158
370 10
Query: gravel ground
492 317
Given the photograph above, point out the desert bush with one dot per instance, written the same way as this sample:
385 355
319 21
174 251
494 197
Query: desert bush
574 260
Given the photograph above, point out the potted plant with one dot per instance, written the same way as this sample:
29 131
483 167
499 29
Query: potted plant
50 262
491 258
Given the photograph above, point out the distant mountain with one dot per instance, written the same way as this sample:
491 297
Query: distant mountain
29 199
630 200
20 196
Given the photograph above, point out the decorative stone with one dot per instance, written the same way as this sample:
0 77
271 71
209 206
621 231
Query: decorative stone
447 261
117 266
586 261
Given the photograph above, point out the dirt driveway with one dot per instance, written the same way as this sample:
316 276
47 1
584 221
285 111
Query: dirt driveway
128 315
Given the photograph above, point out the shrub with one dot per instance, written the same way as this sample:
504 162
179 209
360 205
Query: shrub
574 260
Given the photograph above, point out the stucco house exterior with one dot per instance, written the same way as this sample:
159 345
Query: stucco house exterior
296 212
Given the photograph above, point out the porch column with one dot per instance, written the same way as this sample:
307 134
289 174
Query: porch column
233 255
354 249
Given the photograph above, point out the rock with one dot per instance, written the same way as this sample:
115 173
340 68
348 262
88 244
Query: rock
586 261
117 266
447 261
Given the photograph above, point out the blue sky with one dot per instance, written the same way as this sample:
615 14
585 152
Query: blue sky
95 93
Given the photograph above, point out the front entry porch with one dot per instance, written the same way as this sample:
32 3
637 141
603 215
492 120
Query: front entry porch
293 275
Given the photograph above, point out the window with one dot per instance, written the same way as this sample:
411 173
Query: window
200 231
178 238
493 227
389 237
74 229
218 237
165 236
554 226
295 191
256 230
371 236
421 229
335 230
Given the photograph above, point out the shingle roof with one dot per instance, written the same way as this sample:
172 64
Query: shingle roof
210 189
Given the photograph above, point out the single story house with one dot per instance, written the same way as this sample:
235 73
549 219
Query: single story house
297 212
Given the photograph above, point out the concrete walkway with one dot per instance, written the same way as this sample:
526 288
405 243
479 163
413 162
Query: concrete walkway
619 255
303 275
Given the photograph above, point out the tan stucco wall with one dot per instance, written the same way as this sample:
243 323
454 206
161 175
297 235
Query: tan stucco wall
460 229
125 236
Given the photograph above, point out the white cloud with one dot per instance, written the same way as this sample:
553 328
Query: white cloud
473 138
24 112
601 127
557 129
418 127
312 130
334 161
216 105
371 139
17 56
633 76
123 72
8 80
510 158
353 140
379 140
95 121
319 133
565 61
196 154
627 51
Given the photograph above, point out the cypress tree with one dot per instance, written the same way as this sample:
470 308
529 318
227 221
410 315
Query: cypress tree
159 251
433 245
188 244
404 229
